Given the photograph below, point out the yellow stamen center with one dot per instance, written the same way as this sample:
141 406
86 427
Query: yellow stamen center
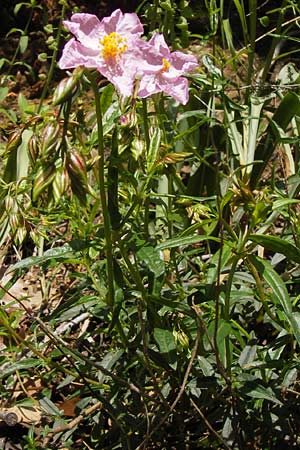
166 65
113 45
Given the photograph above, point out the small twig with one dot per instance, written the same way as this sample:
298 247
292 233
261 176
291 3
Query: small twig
208 424
146 356
73 422
179 395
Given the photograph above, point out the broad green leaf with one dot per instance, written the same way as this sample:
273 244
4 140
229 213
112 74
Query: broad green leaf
279 293
264 394
166 344
3 92
22 158
152 258
277 245
205 366
248 355
109 361
23 43
49 407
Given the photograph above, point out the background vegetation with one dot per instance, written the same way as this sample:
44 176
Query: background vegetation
150 299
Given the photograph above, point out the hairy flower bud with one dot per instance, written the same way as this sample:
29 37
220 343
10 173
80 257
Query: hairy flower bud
33 148
49 138
61 183
67 87
14 141
76 165
43 178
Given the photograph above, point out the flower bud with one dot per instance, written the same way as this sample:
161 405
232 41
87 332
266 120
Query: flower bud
67 87
137 148
14 141
183 339
43 178
33 149
49 138
76 165
9 203
61 183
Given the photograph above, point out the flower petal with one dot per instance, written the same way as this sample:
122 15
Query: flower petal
183 62
127 23
178 90
75 54
148 86
85 27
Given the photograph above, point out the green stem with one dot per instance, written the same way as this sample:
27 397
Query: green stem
261 293
269 58
53 59
154 15
105 212
145 123
12 62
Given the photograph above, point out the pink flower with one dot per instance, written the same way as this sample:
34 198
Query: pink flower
110 45
163 70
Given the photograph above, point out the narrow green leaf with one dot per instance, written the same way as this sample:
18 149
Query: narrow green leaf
27 363
57 253
288 108
185 240
153 149
277 245
274 281
282 202
294 319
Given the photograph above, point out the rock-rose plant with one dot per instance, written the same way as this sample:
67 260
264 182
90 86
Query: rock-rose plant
115 48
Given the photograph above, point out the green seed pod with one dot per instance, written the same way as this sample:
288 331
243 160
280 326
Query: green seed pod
49 138
43 178
67 87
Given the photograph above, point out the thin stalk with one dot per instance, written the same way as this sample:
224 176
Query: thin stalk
53 59
227 309
12 62
105 212
251 54
145 123
154 15
269 58
261 293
